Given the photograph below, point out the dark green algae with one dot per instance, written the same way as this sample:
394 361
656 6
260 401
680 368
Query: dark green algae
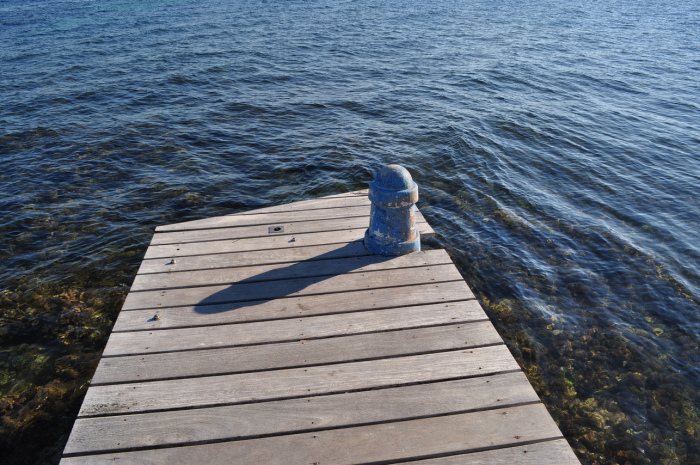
52 337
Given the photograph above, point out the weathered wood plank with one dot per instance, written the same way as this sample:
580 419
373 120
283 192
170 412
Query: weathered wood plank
294 354
202 337
256 257
314 204
121 432
229 221
338 223
364 444
280 271
557 452
261 243
291 287
295 382
330 201
247 232
207 315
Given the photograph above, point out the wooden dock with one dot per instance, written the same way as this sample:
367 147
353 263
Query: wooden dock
274 337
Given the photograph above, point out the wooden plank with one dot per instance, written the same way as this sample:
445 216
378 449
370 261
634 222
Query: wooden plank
160 429
319 266
386 442
229 221
314 204
325 304
247 232
337 200
202 337
295 354
295 382
291 287
336 223
423 226
264 243
256 257
556 452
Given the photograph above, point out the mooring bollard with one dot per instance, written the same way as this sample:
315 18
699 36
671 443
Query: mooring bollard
392 221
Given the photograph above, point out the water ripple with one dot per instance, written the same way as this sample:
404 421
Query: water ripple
555 144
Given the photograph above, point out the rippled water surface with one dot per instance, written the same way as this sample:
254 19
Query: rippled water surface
556 145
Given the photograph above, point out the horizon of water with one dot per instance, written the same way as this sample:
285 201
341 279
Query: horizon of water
556 146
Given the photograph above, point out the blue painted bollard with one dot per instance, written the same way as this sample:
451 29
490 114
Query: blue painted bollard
392 221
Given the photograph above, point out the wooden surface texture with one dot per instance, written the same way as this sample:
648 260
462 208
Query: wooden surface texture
239 343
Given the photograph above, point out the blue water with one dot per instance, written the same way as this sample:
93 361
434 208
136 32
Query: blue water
556 145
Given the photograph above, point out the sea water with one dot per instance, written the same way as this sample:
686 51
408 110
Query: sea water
556 145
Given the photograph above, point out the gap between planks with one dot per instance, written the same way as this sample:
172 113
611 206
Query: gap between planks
295 354
291 207
243 226
294 208
295 382
382 443
209 424
285 271
274 242
359 198
359 223
243 292
544 452
271 218
338 201
448 293
249 231
197 338
252 258
469 308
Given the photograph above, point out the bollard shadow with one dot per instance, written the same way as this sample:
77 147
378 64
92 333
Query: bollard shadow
287 280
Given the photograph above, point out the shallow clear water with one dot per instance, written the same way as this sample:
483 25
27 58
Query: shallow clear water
556 145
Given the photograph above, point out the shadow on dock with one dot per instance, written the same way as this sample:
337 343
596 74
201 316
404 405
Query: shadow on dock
288 280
